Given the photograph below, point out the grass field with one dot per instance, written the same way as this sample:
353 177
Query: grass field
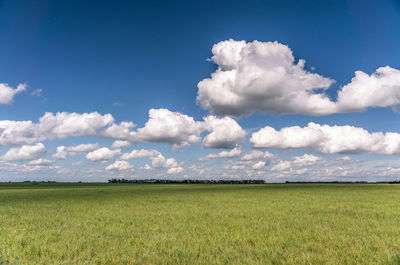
199 224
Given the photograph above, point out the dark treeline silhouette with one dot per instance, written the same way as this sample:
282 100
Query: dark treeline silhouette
250 181
186 181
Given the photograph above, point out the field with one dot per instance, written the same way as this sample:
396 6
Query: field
199 224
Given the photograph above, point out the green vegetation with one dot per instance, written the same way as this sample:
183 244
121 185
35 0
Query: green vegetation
54 223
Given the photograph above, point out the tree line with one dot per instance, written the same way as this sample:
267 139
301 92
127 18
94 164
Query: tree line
186 181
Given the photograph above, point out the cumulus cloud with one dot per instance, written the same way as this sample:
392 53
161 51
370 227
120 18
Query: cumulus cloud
380 89
170 127
119 165
65 151
25 152
328 139
102 154
256 155
140 154
163 126
120 143
7 93
65 124
41 162
297 162
264 76
306 160
119 131
224 154
225 133
261 76
175 170
17 132
50 126
161 162
282 165
156 158
258 165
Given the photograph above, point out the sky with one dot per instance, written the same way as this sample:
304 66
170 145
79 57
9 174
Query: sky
272 90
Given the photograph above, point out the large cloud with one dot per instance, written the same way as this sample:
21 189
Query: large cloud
102 154
119 165
225 133
264 76
380 89
165 126
17 132
7 93
65 124
328 139
65 151
25 152
261 76
50 126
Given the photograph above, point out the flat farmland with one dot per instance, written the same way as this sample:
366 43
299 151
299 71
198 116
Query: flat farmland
60 223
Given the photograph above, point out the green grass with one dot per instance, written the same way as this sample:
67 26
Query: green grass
199 224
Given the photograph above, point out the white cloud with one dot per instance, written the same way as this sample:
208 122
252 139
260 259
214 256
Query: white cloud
175 170
328 139
256 155
65 151
263 76
50 126
25 152
140 154
165 126
119 165
282 165
224 154
82 148
156 158
41 162
119 131
102 154
297 162
7 93
258 165
65 124
380 89
225 133
120 143
161 162
17 132
306 160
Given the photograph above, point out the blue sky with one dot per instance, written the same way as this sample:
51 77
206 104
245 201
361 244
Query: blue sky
128 57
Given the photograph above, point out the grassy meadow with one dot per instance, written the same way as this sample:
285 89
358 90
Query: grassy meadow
199 224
